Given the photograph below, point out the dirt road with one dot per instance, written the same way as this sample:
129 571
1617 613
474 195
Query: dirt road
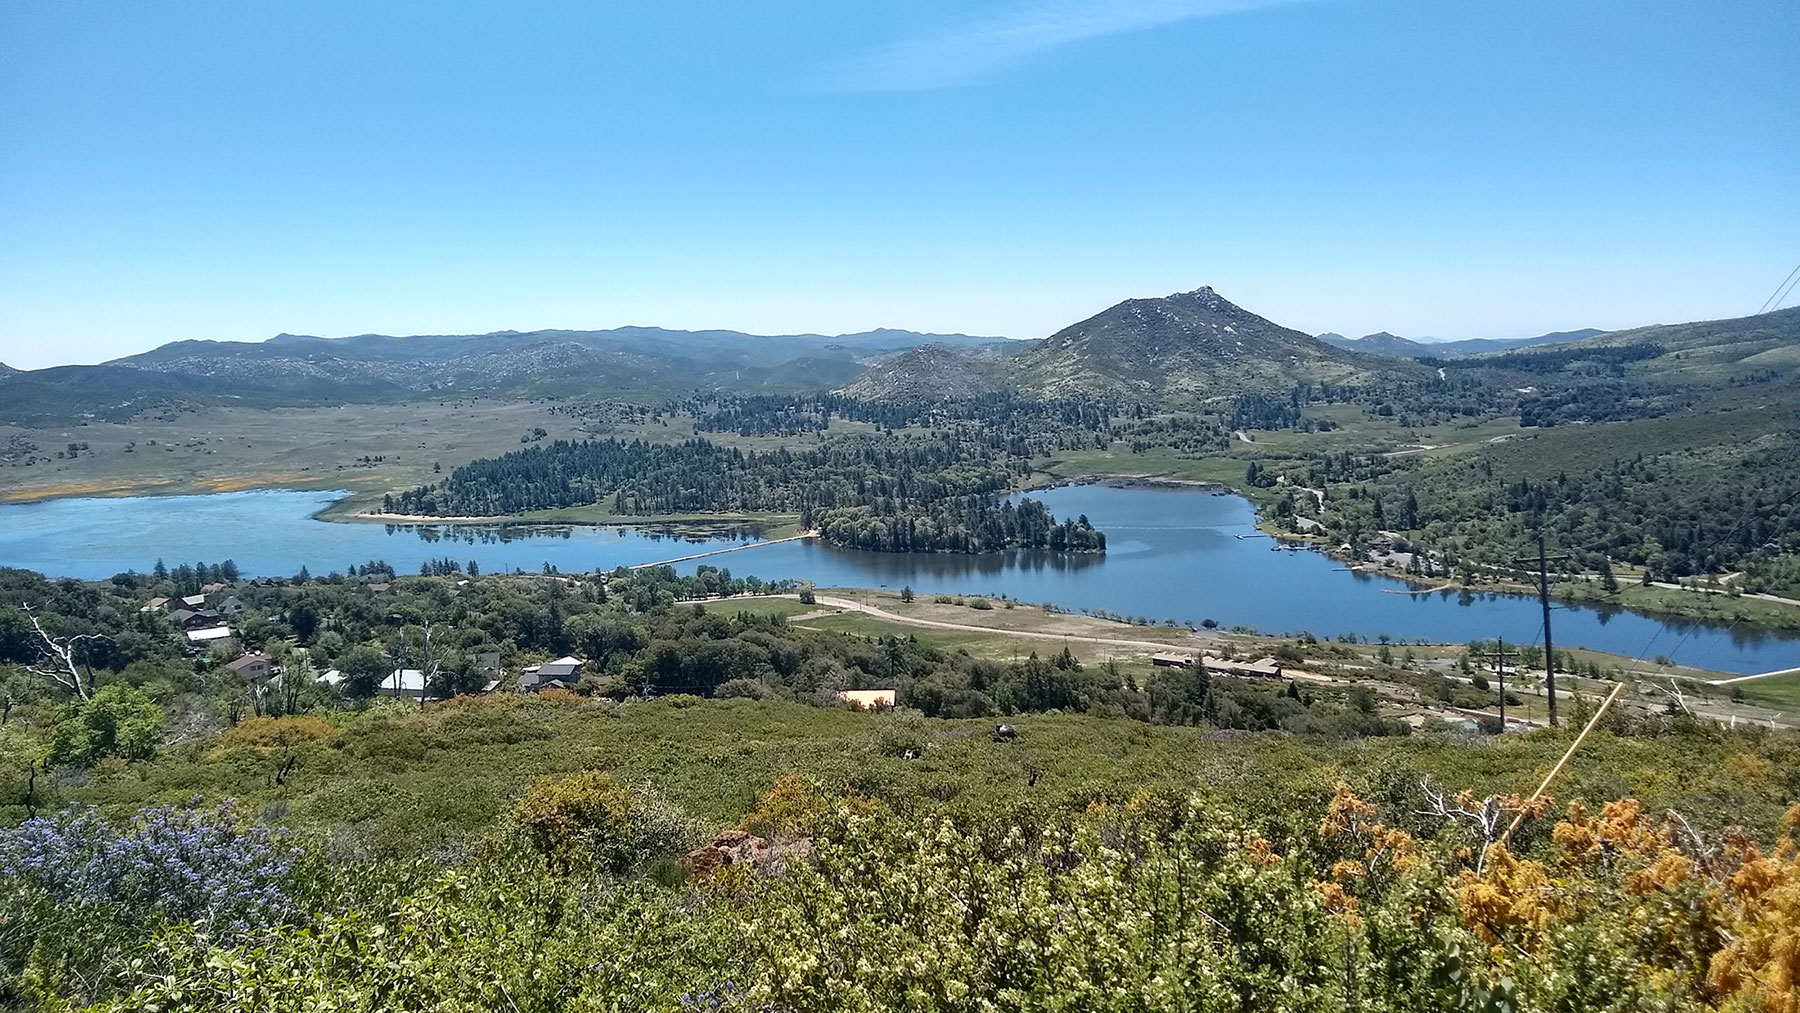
847 605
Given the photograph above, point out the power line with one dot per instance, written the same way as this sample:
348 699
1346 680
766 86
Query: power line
1543 568
1787 283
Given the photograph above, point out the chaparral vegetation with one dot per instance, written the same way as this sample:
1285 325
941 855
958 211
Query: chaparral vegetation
695 821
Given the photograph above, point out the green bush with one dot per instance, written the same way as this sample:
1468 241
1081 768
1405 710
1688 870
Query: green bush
119 720
592 818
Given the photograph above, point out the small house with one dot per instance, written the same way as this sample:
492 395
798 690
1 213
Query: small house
254 667
1266 668
190 619
407 682
1169 659
194 601
232 606
208 635
868 699
155 605
562 672
213 588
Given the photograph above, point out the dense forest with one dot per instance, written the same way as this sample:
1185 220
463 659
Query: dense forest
938 492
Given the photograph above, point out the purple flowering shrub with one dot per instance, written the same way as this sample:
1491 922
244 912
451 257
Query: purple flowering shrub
167 865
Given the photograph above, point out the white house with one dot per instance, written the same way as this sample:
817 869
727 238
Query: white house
208 635
408 682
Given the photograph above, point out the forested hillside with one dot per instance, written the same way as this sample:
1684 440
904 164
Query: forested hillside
1675 497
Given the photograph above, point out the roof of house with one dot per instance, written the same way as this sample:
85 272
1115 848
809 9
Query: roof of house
1264 666
868 697
194 600
247 661
330 677
208 635
153 604
566 660
1169 657
405 680
210 588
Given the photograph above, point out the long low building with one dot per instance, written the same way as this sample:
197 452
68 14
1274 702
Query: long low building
1265 668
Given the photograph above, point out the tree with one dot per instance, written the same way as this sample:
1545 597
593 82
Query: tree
303 619
119 720
893 651
59 657
1608 582
906 593
364 667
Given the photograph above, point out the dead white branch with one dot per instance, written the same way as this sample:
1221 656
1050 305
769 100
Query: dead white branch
59 664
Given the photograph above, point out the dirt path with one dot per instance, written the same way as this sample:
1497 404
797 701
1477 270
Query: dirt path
847 605
1759 675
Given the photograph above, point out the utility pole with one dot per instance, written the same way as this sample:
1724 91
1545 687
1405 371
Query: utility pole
1543 568
1499 654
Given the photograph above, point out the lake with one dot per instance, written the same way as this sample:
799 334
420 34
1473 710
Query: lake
1182 554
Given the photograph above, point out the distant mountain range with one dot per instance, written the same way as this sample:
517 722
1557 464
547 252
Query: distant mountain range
290 369
1383 343
1181 348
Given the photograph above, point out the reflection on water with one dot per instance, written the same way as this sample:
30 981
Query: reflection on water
500 534
1180 555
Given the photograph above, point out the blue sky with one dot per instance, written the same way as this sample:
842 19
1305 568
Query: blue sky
231 170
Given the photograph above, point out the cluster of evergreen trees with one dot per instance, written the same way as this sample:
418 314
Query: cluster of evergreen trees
961 524
894 493
189 579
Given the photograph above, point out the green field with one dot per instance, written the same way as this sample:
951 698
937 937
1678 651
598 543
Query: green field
1781 692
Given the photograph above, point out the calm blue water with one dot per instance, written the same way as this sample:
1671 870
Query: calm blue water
1172 554
273 534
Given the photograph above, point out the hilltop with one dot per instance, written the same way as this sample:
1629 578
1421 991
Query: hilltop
1186 345
928 372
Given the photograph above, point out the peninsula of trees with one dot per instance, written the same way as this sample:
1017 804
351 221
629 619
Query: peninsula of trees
938 492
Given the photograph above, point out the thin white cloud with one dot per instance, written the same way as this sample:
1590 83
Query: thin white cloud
972 51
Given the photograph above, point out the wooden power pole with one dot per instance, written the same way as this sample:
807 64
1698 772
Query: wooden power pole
1543 569
1499 654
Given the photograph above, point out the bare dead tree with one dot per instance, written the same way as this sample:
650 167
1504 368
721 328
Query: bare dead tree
1487 817
1673 692
59 657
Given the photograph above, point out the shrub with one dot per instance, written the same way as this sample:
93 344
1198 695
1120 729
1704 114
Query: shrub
790 808
749 689
119 720
981 604
166 866
277 733
591 817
